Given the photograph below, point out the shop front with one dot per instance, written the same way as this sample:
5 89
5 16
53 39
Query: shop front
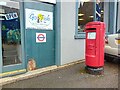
27 34
40 33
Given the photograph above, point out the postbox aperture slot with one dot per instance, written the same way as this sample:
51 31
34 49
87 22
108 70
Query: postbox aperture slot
91 29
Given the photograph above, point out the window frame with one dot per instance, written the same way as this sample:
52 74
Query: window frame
112 25
81 35
118 18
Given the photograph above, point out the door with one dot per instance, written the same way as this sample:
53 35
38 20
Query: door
40 33
11 38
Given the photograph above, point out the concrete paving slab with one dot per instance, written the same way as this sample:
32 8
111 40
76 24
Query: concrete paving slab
73 76
34 73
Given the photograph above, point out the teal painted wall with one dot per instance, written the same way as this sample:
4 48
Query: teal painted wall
42 53
58 33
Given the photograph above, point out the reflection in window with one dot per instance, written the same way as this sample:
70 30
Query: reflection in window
86 14
101 6
11 35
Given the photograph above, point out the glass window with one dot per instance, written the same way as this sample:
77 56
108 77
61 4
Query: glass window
86 13
11 34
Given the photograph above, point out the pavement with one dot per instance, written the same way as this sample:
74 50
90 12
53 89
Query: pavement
71 76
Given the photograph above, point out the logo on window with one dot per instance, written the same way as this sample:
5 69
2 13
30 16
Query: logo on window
39 19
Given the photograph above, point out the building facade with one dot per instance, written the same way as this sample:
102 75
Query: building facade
48 33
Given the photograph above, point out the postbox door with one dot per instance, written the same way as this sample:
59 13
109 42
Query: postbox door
91 49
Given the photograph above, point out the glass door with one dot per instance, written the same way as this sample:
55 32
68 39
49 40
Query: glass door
11 36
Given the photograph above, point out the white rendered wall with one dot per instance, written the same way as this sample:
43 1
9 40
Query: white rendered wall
71 49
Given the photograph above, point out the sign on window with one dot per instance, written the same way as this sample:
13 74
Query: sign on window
36 19
11 16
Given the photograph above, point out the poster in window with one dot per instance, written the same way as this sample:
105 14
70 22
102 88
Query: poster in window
36 19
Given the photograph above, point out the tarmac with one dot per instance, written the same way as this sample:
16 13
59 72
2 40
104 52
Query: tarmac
70 76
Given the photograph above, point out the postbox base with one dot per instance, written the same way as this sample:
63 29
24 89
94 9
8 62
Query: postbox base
94 71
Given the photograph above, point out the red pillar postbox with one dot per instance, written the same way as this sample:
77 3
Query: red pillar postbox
94 55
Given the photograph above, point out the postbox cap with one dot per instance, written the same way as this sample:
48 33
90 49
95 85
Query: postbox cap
95 23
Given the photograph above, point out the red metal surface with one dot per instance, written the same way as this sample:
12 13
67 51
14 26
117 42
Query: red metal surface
95 47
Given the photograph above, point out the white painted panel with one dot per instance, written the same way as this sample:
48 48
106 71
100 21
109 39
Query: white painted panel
71 49
9 3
